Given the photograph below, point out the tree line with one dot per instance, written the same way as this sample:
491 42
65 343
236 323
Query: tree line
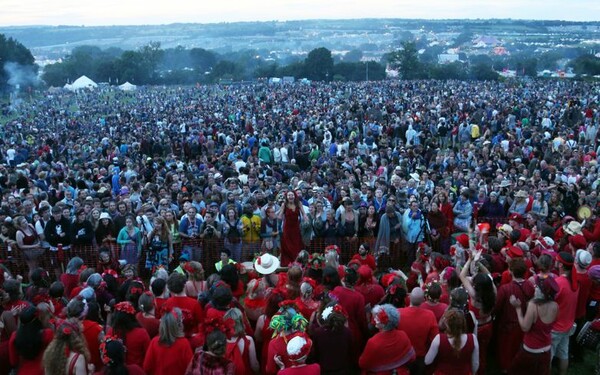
153 65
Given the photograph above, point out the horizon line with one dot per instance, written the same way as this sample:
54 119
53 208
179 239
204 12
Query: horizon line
299 20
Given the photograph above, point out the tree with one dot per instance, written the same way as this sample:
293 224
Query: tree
483 72
354 55
17 65
406 60
319 65
586 64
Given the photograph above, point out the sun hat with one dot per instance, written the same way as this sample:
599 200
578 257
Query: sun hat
266 264
105 215
583 258
573 228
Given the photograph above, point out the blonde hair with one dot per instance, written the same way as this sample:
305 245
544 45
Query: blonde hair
67 338
197 273
236 315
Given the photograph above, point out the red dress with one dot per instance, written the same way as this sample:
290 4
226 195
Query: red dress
91 331
168 360
354 304
447 361
136 341
291 240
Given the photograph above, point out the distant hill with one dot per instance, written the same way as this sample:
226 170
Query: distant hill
372 36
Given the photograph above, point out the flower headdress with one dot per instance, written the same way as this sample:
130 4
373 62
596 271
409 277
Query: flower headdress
428 288
125 307
335 248
316 261
337 308
106 360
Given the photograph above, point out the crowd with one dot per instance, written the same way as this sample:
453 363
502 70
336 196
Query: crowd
377 228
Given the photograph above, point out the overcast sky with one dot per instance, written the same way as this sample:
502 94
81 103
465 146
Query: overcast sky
137 12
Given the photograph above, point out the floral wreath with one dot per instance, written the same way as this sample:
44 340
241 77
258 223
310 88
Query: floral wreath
316 261
67 328
216 324
428 288
337 308
125 307
106 360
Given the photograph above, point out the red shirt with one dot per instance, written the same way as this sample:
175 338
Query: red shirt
354 304
150 324
168 360
368 261
373 293
585 288
421 327
136 341
132 369
567 305
194 312
313 369
29 366
91 331
438 309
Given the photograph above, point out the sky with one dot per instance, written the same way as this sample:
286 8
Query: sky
140 12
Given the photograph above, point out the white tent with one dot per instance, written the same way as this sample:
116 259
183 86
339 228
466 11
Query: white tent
82 82
127 86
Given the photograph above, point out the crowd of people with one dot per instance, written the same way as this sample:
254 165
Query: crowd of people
378 228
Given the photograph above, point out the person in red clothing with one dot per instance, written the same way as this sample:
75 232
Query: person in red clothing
210 358
456 351
332 340
286 324
113 358
433 292
567 305
509 334
125 327
298 349
192 310
240 346
534 356
390 350
364 257
27 344
70 278
170 352
371 291
146 316
583 259
421 327
353 303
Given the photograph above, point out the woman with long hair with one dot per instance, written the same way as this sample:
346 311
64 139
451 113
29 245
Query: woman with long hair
105 231
456 351
332 341
27 344
195 285
540 206
240 347
125 326
173 224
534 357
292 213
130 240
147 314
233 230
160 251
263 332
369 226
169 352
28 243
389 351
78 309
67 353
211 358
112 353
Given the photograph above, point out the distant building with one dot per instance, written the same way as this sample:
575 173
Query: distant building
447 58
288 79
485 42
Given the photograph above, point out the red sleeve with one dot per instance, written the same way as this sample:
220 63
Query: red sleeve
371 262
369 356
271 367
592 236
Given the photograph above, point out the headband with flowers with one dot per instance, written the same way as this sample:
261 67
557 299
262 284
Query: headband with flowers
106 360
67 328
335 248
381 317
428 288
337 308
125 307
316 261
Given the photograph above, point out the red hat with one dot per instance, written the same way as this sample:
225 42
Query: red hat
298 347
463 240
484 227
516 217
578 241
514 252
365 273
